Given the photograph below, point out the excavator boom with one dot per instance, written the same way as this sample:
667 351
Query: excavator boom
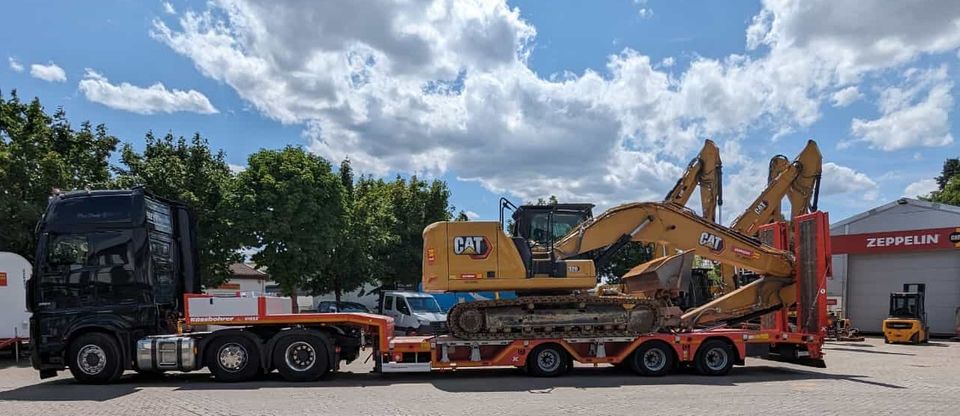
706 172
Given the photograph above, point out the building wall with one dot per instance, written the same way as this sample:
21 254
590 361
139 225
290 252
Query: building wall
866 280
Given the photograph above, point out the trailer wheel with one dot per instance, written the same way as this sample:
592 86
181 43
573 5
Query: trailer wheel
95 359
233 358
652 359
714 358
301 357
547 360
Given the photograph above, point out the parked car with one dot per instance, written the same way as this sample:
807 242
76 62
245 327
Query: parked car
327 306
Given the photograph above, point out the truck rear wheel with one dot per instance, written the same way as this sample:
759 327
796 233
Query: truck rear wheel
301 357
714 358
548 360
652 359
233 358
95 359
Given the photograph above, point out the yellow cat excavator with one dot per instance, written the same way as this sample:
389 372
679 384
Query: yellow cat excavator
705 172
479 256
798 181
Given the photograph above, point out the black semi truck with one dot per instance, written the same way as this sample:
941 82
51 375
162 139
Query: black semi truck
107 295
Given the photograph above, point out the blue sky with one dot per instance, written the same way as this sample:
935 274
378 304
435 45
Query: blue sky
591 101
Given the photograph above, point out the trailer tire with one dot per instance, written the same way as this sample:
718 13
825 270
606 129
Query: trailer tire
714 358
547 360
301 357
652 359
232 358
95 358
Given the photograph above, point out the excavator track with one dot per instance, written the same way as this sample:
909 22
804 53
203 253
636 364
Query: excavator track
533 317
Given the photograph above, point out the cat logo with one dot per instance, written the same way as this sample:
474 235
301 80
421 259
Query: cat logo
477 247
760 207
713 242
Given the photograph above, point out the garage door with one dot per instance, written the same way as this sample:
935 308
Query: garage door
871 278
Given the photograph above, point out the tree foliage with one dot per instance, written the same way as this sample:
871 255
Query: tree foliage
291 206
415 204
949 184
190 172
363 239
38 154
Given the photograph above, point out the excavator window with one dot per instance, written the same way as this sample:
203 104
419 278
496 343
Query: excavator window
544 224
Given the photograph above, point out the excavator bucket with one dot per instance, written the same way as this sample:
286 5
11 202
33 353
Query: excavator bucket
669 274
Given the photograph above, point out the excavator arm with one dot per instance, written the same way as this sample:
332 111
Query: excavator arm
706 172
666 223
799 182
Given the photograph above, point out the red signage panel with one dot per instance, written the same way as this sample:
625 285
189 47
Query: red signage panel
897 241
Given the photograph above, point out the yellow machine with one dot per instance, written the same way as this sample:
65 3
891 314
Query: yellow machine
907 322
705 172
799 181
479 256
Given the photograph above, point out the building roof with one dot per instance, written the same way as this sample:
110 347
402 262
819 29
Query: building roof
246 271
901 201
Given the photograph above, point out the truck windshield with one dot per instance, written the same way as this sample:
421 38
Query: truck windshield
424 304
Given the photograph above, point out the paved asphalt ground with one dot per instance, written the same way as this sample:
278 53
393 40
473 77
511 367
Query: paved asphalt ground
861 378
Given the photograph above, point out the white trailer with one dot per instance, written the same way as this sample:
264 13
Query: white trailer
14 318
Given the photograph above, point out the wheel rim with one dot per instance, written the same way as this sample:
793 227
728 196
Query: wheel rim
91 359
716 358
654 359
300 356
232 357
548 360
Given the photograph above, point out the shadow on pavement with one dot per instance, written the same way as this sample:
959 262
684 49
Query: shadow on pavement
868 351
479 380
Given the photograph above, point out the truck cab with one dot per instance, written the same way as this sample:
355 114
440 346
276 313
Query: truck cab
413 312
110 268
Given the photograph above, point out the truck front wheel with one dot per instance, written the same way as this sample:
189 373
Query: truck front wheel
233 358
301 357
95 359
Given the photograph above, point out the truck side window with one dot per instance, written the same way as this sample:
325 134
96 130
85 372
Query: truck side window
388 303
402 306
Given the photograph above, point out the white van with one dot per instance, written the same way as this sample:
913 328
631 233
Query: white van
414 312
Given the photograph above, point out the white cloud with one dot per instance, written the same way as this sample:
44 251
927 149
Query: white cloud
922 187
645 13
168 8
914 114
14 65
444 86
471 215
49 73
236 168
153 99
846 96
667 62
839 179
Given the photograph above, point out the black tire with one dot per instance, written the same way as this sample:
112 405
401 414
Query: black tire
95 358
652 359
714 358
547 360
301 357
233 358
915 338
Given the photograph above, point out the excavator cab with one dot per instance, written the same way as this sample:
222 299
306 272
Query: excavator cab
907 321
544 224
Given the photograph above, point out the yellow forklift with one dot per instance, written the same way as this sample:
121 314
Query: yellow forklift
907 322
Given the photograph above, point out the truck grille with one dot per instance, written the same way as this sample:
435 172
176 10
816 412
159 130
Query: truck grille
438 327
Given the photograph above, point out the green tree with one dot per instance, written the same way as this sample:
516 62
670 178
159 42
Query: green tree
631 255
415 204
365 236
190 172
951 169
40 153
291 207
